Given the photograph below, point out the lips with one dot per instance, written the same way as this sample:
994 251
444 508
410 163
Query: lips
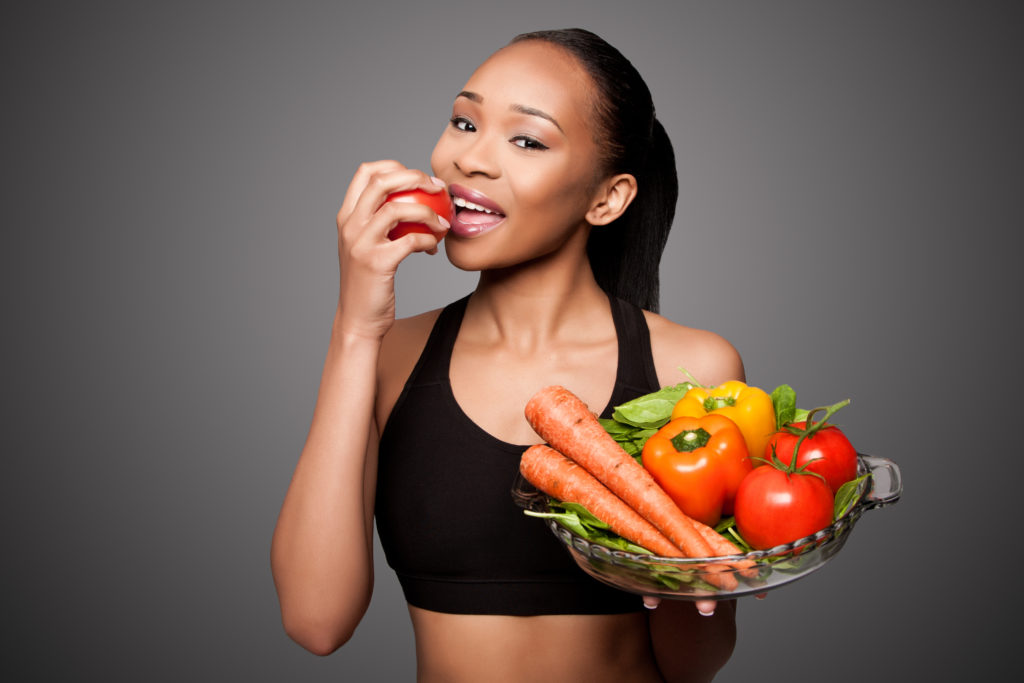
475 212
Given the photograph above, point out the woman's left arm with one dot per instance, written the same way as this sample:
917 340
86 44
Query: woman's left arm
707 356
689 647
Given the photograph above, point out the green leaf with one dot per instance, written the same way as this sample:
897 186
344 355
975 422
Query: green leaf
616 542
567 519
640 438
725 524
618 430
632 439
784 400
847 496
586 517
653 410
580 521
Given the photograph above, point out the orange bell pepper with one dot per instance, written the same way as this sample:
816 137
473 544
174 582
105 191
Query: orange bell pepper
699 462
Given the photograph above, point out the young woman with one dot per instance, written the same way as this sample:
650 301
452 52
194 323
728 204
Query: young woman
566 188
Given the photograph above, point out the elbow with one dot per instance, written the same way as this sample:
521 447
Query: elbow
321 630
318 636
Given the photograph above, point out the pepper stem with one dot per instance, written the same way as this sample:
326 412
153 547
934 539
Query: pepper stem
690 440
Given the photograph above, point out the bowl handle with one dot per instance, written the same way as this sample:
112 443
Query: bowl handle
886 483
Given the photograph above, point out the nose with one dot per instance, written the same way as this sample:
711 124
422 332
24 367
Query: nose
477 157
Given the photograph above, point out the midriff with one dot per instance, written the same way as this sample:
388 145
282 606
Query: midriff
452 648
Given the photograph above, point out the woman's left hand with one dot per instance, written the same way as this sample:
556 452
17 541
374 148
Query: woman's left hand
705 607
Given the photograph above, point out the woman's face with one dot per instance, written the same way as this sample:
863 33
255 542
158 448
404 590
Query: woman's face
520 144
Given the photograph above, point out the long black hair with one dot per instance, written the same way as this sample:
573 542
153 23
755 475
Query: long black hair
625 254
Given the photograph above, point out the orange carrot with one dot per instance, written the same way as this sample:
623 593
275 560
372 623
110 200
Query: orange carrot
564 480
564 421
723 546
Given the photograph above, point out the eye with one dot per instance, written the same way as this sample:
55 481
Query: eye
462 123
527 142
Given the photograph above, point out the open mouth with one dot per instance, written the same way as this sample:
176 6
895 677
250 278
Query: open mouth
475 213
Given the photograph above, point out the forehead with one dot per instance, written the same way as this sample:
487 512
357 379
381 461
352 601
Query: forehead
536 74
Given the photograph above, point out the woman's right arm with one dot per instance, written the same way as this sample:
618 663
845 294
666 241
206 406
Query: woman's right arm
322 549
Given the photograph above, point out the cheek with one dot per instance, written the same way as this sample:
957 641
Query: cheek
557 198
437 157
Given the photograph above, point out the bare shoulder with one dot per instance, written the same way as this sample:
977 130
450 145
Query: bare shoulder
399 351
706 355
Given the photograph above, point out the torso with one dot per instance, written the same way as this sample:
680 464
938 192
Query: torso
492 385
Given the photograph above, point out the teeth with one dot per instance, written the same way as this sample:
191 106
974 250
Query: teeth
463 204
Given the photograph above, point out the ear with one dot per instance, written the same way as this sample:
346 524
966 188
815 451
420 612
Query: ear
612 198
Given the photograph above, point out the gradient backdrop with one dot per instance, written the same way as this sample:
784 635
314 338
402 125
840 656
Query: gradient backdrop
851 181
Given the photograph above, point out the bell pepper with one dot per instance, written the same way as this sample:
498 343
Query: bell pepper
699 462
750 407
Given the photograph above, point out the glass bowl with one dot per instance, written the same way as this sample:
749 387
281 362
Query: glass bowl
728 576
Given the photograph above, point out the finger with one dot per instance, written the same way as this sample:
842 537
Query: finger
411 243
359 181
761 596
651 602
390 214
706 607
382 184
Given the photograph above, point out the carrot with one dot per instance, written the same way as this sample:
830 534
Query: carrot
563 420
723 546
564 480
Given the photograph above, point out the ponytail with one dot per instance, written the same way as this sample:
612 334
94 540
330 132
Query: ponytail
626 253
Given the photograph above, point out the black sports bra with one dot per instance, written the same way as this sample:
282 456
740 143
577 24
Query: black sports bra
444 510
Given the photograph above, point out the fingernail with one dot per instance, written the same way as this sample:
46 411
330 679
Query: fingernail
705 614
436 181
444 223
650 606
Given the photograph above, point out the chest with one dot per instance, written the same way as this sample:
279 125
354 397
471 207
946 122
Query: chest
493 385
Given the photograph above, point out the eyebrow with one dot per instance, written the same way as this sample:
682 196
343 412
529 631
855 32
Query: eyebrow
519 108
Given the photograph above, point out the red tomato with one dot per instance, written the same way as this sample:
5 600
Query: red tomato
775 507
827 452
439 202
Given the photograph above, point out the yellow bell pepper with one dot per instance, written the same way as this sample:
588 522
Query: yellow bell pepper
751 408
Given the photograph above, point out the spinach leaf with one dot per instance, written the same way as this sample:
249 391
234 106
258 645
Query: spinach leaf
632 439
580 521
784 400
847 496
653 410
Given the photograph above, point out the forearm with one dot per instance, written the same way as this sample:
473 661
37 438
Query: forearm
321 553
689 647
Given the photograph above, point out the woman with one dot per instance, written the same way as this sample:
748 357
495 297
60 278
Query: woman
565 184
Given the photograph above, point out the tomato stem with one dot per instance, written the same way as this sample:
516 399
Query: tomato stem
790 468
811 427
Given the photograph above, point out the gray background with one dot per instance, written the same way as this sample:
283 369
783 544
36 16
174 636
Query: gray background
850 181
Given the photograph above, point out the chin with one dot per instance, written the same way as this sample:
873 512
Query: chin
463 257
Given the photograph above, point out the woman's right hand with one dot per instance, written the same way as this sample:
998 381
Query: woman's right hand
368 260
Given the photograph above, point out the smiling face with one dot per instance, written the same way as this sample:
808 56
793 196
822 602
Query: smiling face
520 145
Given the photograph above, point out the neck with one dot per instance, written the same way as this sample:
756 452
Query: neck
550 297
